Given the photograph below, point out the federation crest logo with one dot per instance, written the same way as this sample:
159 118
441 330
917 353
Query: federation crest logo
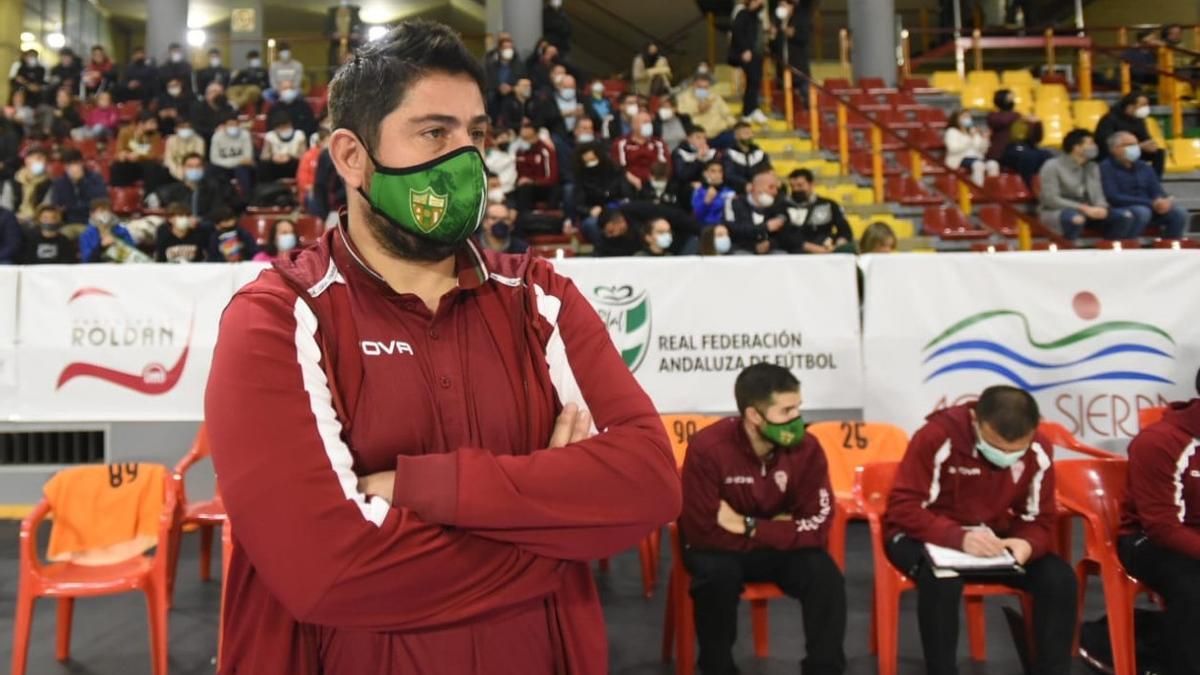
428 208
626 313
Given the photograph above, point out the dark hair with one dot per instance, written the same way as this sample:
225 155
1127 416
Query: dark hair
222 214
49 208
174 45
230 116
72 156
1166 30
284 45
374 83
610 215
252 54
806 174
711 162
1145 33
36 150
192 155
178 209
1198 382
146 116
99 203
1127 100
760 170
1002 99
758 383
741 125
708 239
952 119
1011 412
696 128
1074 139
660 169
214 50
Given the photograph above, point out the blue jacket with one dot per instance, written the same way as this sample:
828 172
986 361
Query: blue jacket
89 241
714 213
10 237
75 198
1136 186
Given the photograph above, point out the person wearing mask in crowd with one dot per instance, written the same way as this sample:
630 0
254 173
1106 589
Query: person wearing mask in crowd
184 142
660 190
291 102
284 69
744 159
585 132
74 191
966 147
630 107
689 161
106 240
67 73
1159 536
200 194
63 120
1129 114
495 190
715 241
182 238
503 70
248 84
501 160
658 198
537 171
979 478
176 67
818 225
213 71
651 72
544 69
639 150
600 185
23 113
100 75
710 198
556 26
231 155
207 114
47 245
656 239
567 111
29 75
1072 194
281 150
174 102
746 52
281 238
756 218
617 237
517 107
103 120
793 26
11 241
877 238
139 155
600 110
227 241
496 232
671 125
1132 184
1015 137
770 525
306 171
32 183
139 79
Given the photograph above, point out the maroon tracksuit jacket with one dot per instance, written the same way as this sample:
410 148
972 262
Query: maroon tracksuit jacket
637 157
539 164
721 465
1163 496
322 374
944 484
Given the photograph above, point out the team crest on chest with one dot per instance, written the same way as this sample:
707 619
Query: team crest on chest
781 479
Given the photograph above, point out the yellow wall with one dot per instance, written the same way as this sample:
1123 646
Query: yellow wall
10 39
1104 13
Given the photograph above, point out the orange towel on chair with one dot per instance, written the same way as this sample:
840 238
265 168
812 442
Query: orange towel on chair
104 513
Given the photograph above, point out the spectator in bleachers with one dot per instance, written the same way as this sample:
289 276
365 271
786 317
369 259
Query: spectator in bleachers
966 147
22 113
756 218
1015 137
63 119
537 170
657 239
1132 184
639 150
174 102
139 155
600 110
495 191
503 70
501 160
102 120
106 240
689 161
616 236
651 72
47 245
877 238
213 72
600 184
281 151
32 184
710 198
74 191
100 74
283 69
185 141
248 84
715 241
660 189
28 75
818 224
10 147
793 23
623 124
566 112
139 79
671 125
182 238
541 72
746 52
585 132
10 238
291 102
306 172
497 233
207 114
199 193
517 107
1073 197
1129 114
744 159
556 26
231 155
227 241
1143 58
176 67
281 238
66 73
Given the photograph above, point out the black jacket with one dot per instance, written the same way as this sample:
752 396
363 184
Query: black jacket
257 77
10 238
1114 121
602 186
181 70
301 114
144 73
813 223
204 201
744 35
742 163
206 76
556 28
748 224
42 250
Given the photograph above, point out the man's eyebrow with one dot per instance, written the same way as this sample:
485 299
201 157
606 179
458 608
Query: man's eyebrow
447 120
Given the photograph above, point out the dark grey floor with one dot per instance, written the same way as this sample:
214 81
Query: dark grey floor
110 633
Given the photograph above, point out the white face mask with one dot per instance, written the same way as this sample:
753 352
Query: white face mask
663 240
496 196
592 164
214 61
506 53
174 91
665 114
1142 112
598 88
285 241
647 129
176 57
585 138
185 133
722 244
256 63
285 55
631 110
701 93
764 200
182 223
233 132
781 13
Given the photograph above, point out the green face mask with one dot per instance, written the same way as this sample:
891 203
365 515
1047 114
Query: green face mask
785 435
996 456
442 199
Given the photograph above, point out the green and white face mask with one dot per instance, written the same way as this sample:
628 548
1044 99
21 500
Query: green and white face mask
786 435
442 199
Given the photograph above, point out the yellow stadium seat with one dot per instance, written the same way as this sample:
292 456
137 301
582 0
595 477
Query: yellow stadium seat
1054 129
947 80
1047 109
988 79
777 125
1087 113
1017 78
784 145
858 225
1185 154
1156 132
1022 99
1052 92
976 97
860 196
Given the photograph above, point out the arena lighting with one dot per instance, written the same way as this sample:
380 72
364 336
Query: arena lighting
56 40
376 32
28 37
196 37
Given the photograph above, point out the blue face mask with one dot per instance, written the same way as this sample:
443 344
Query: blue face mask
722 244
193 175
996 456
1133 152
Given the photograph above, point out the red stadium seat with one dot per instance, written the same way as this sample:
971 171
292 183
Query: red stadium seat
128 111
1007 187
906 190
933 117
309 229
949 223
316 103
125 200
998 219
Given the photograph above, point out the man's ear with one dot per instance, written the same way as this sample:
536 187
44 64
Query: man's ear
349 158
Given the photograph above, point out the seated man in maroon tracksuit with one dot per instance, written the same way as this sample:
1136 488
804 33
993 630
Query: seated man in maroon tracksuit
757 506
979 478
1160 526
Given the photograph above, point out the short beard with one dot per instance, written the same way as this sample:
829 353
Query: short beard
406 245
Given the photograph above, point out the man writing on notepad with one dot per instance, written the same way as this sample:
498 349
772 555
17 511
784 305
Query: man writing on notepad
980 479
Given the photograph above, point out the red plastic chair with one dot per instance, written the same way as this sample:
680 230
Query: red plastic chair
1094 489
949 223
204 515
68 581
1148 416
309 229
906 190
125 200
128 111
1002 221
877 480
679 628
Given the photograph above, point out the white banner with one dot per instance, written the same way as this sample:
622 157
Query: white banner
687 326
117 342
8 336
1094 335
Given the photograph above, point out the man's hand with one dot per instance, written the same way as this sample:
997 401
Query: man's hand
763 247
747 56
378 485
524 181
783 517
573 425
1095 212
731 521
1149 145
1161 205
810 247
704 105
633 180
776 224
982 542
1021 549
505 89
710 195
596 211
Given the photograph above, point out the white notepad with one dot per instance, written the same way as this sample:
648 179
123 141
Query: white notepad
949 562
